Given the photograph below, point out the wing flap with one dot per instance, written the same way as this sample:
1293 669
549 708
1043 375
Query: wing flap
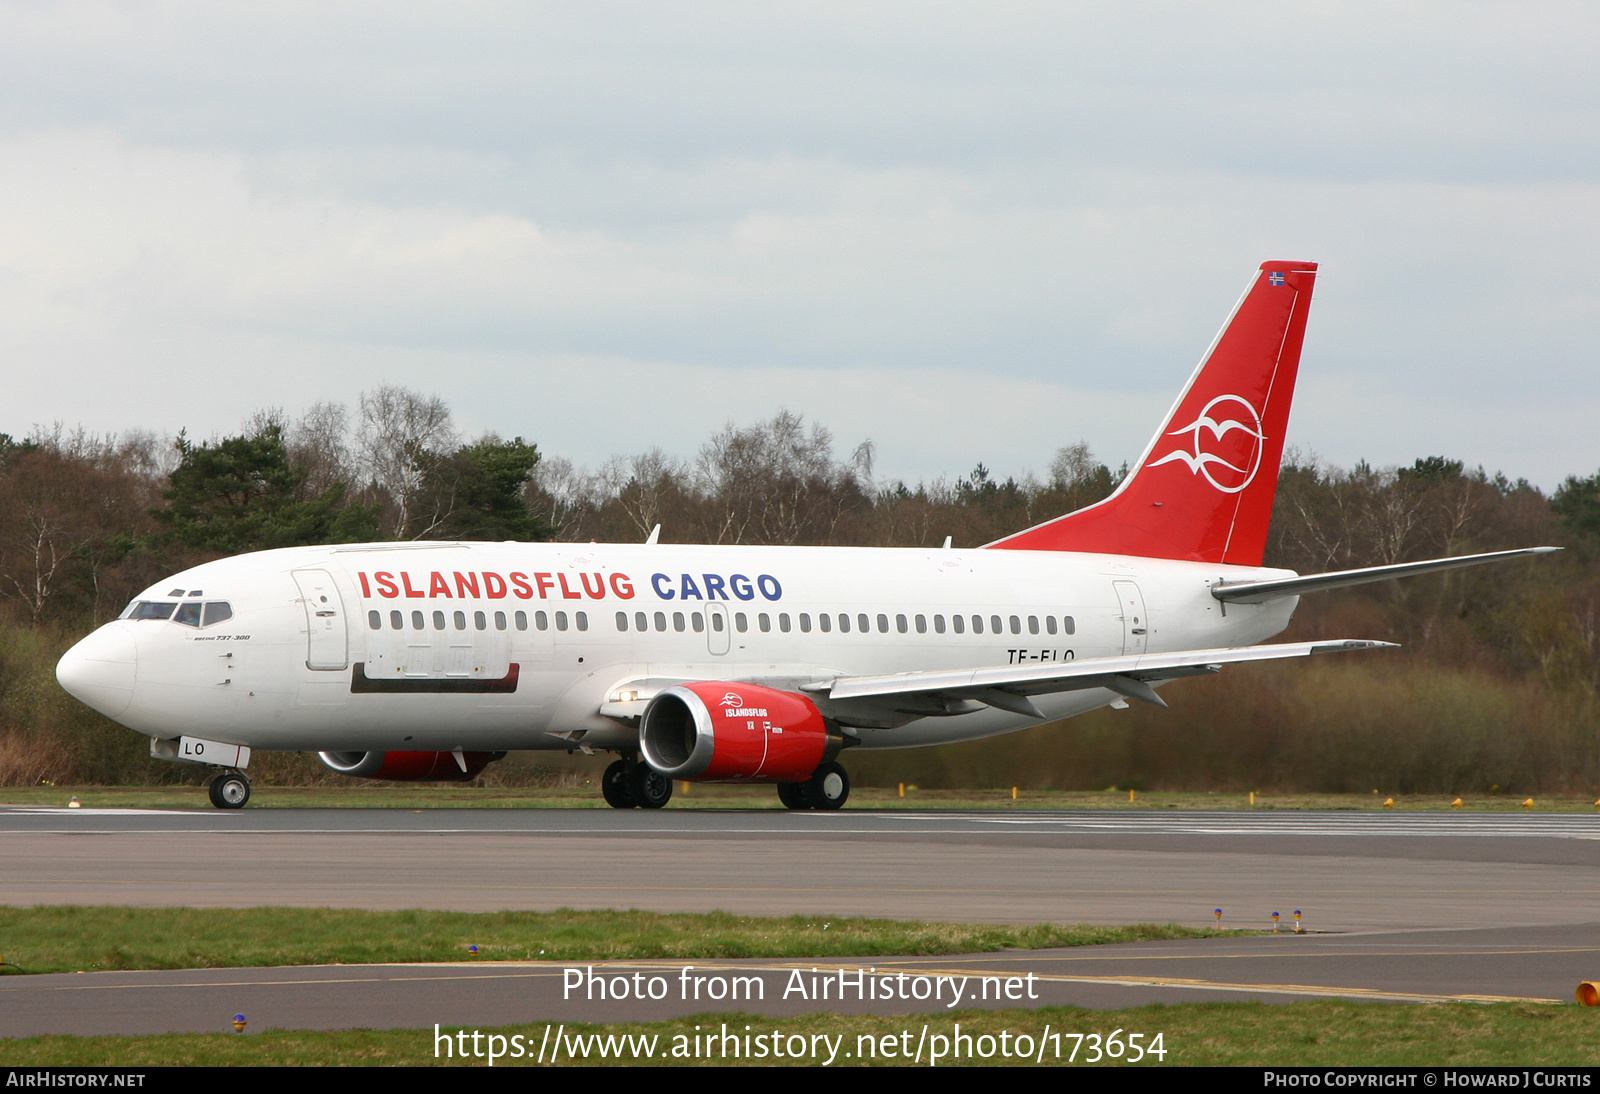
1130 676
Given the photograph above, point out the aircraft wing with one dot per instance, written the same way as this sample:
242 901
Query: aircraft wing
1008 687
1259 592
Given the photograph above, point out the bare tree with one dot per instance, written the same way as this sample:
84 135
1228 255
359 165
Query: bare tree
398 427
777 482
646 487
319 445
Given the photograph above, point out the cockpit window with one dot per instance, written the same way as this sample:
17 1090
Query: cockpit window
151 609
188 613
217 611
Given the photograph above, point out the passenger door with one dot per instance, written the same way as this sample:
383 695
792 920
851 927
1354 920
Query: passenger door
327 641
1135 623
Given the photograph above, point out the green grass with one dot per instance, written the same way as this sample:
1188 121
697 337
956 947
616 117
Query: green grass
703 796
1319 1033
70 938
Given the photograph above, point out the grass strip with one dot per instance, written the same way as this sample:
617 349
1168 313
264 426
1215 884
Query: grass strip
72 938
1312 1033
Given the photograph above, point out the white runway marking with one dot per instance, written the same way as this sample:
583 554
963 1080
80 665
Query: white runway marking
86 811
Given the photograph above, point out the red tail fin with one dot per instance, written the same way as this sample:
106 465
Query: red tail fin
1203 489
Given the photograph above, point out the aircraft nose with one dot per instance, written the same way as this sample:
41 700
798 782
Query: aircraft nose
99 671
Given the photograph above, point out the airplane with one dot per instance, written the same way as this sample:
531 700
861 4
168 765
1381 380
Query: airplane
742 664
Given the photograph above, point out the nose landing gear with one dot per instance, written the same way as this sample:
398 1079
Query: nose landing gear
230 790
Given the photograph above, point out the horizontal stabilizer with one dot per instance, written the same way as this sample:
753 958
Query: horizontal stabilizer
1259 592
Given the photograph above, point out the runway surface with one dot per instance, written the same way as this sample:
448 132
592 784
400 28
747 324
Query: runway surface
1401 906
1346 871
1426 966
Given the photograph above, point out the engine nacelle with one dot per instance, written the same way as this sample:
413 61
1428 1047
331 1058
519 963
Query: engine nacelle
408 767
715 731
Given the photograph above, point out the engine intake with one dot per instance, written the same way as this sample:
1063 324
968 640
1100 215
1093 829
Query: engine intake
408 767
715 731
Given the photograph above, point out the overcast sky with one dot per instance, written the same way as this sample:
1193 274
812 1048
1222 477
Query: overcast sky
968 232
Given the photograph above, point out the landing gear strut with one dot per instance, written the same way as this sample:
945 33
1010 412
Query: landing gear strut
628 784
828 788
230 790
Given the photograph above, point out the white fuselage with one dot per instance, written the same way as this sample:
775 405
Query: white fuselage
323 649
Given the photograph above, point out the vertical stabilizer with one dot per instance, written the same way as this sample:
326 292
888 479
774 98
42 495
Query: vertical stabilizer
1203 489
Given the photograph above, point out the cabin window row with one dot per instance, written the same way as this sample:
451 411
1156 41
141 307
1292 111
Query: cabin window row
480 620
862 622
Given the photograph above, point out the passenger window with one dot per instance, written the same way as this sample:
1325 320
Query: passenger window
641 621
677 622
783 622
583 620
522 621
959 623
479 621
460 620
865 624
1016 625
938 624
977 624
883 623
741 622
716 623
438 621
1033 624
188 613
218 611
622 621
499 621
698 622
375 620
561 621
764 621
825 621
395 620
994 624
541 621
661 621
844 623
1068 626
922 624
416 621
1050 623
805 622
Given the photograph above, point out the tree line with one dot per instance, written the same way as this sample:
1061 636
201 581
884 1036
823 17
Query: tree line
87 521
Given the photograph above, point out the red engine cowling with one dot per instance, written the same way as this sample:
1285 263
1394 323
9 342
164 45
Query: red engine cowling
407 767
715 731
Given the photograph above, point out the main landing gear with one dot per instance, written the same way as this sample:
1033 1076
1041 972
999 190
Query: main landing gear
629 784
828 788
230 790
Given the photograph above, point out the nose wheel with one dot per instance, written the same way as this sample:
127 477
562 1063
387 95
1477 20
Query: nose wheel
230 790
